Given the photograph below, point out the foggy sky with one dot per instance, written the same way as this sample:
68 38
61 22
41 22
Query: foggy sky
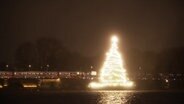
86 26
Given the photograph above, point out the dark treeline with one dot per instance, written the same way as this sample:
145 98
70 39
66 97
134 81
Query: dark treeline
46 54
50 54
167 61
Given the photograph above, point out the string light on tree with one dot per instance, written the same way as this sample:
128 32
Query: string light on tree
112 74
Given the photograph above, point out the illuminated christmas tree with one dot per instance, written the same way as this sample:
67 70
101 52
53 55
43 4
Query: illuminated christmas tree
112 72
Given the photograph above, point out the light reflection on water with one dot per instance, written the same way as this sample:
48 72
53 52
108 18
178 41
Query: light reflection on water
115 97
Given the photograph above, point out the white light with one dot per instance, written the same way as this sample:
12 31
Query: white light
114 39
93 73
29 66
7 66
112 74
1 86
78 73
166 80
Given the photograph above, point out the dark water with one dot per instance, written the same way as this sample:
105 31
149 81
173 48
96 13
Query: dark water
92 97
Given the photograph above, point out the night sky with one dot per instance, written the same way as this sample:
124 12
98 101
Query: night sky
86 26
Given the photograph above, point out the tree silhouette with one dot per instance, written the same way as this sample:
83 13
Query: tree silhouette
26 55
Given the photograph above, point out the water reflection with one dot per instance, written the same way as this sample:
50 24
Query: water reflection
115 97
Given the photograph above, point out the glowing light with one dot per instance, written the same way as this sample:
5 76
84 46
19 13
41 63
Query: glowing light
1 86
114 97
58 79
5 85
93 73
29 86
112 73
166 80
114 39
78 73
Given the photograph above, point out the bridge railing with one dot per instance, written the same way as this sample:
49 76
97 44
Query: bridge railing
44 74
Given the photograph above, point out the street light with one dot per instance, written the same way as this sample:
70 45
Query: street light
7 67
48 66
29 67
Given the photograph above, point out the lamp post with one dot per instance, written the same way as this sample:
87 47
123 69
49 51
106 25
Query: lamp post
29 67
7 67
47 66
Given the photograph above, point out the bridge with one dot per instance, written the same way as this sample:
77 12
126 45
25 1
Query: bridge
83 75
32 79
46 74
